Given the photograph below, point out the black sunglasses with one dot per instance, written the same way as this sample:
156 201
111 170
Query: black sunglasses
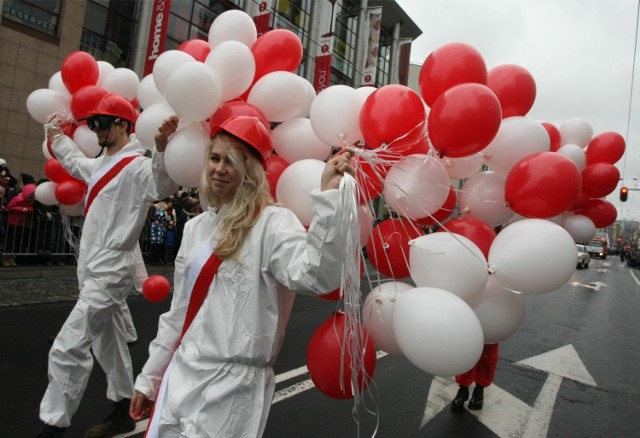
101 122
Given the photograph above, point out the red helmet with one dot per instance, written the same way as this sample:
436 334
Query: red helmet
252 132
116 106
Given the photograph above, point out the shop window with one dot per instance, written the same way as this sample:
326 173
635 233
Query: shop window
39 18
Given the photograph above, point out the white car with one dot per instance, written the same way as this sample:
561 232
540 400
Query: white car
583 257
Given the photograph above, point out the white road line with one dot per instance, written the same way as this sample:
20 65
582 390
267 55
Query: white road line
634 277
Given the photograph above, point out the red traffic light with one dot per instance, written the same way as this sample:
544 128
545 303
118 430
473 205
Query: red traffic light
624 192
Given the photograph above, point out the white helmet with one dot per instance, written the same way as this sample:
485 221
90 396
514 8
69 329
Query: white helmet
2 162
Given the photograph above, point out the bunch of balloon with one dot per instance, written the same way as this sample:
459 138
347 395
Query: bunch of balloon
62 189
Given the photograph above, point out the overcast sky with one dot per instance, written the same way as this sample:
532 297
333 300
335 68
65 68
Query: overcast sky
580 53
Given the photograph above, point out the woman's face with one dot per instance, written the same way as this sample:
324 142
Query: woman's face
224 175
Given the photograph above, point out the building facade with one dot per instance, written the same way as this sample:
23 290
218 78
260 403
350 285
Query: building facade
352 42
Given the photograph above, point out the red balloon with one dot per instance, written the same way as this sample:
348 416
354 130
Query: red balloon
600 179
70 191
278 49
445 211
369 178
79 69
275 166
55 172
234 108
601 212
607 147
85 100
156 288
542 185
450 65
515 88
393 112
325 354
554 136
581 202
464 120
474 229
197 48
388 246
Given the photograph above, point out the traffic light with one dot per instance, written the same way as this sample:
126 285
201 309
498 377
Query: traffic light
624 192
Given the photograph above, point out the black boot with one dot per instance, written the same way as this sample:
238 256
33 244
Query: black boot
119 421
461 397
477 398
47 431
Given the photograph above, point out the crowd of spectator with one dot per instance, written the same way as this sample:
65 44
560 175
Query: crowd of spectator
34 233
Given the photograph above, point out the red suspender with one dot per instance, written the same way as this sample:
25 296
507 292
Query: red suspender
106 179
200 289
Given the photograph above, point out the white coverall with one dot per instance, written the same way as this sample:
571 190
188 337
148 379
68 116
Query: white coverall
108 270
220 380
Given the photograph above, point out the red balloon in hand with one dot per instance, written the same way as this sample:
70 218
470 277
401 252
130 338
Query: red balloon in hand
156 288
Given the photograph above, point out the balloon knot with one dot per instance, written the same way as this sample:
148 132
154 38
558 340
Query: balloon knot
492 269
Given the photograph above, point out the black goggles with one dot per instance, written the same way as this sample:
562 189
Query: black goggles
101 122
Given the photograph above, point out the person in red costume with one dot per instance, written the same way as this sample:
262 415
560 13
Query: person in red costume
481 374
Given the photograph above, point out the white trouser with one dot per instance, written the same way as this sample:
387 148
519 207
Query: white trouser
101 327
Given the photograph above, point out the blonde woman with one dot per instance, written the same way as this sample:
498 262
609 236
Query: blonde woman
209 370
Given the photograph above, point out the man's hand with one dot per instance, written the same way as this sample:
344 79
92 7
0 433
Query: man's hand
335 168
140 407
165 130
52 125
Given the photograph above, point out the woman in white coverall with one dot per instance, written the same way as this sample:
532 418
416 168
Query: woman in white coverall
218 381
122 186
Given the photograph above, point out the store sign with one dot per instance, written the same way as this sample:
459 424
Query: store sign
30 17
157 33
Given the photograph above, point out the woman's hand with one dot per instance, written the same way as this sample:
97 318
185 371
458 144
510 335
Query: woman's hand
165 130
335 168
140 407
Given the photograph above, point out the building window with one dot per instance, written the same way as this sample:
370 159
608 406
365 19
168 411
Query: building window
344 43
191 19
41 16
109 30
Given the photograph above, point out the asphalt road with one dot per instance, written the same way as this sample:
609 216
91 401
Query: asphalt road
570 371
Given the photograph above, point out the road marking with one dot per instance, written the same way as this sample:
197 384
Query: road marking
591 285
283 394
507 415
634 277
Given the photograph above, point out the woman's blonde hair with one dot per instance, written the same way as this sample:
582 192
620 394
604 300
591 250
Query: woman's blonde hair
251 197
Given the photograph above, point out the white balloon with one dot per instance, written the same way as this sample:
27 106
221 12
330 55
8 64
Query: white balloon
295 140
43 102
533 256
499 310
87 141
580 227
437 331
184 157
335 115
575 153
295 185
463 167
310 97
148 94
279 95
576 131
365 92
448 261
377 314
233 25
105 68
46 193
235 67
416 186
149 121
482 196
193 91
166 64
122 81
56 84
517 138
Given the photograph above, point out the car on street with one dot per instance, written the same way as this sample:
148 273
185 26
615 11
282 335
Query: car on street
583 257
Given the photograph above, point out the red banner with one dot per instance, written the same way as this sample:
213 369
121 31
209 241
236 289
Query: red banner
157 33
324 53
262 15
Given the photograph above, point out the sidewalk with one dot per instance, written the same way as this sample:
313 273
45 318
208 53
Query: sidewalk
48 284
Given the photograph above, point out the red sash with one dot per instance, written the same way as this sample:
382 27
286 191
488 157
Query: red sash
198 294
106 178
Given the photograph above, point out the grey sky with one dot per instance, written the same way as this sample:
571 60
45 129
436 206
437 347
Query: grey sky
580 53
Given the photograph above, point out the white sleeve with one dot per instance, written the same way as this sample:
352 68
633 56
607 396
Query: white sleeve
152 176
72 159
